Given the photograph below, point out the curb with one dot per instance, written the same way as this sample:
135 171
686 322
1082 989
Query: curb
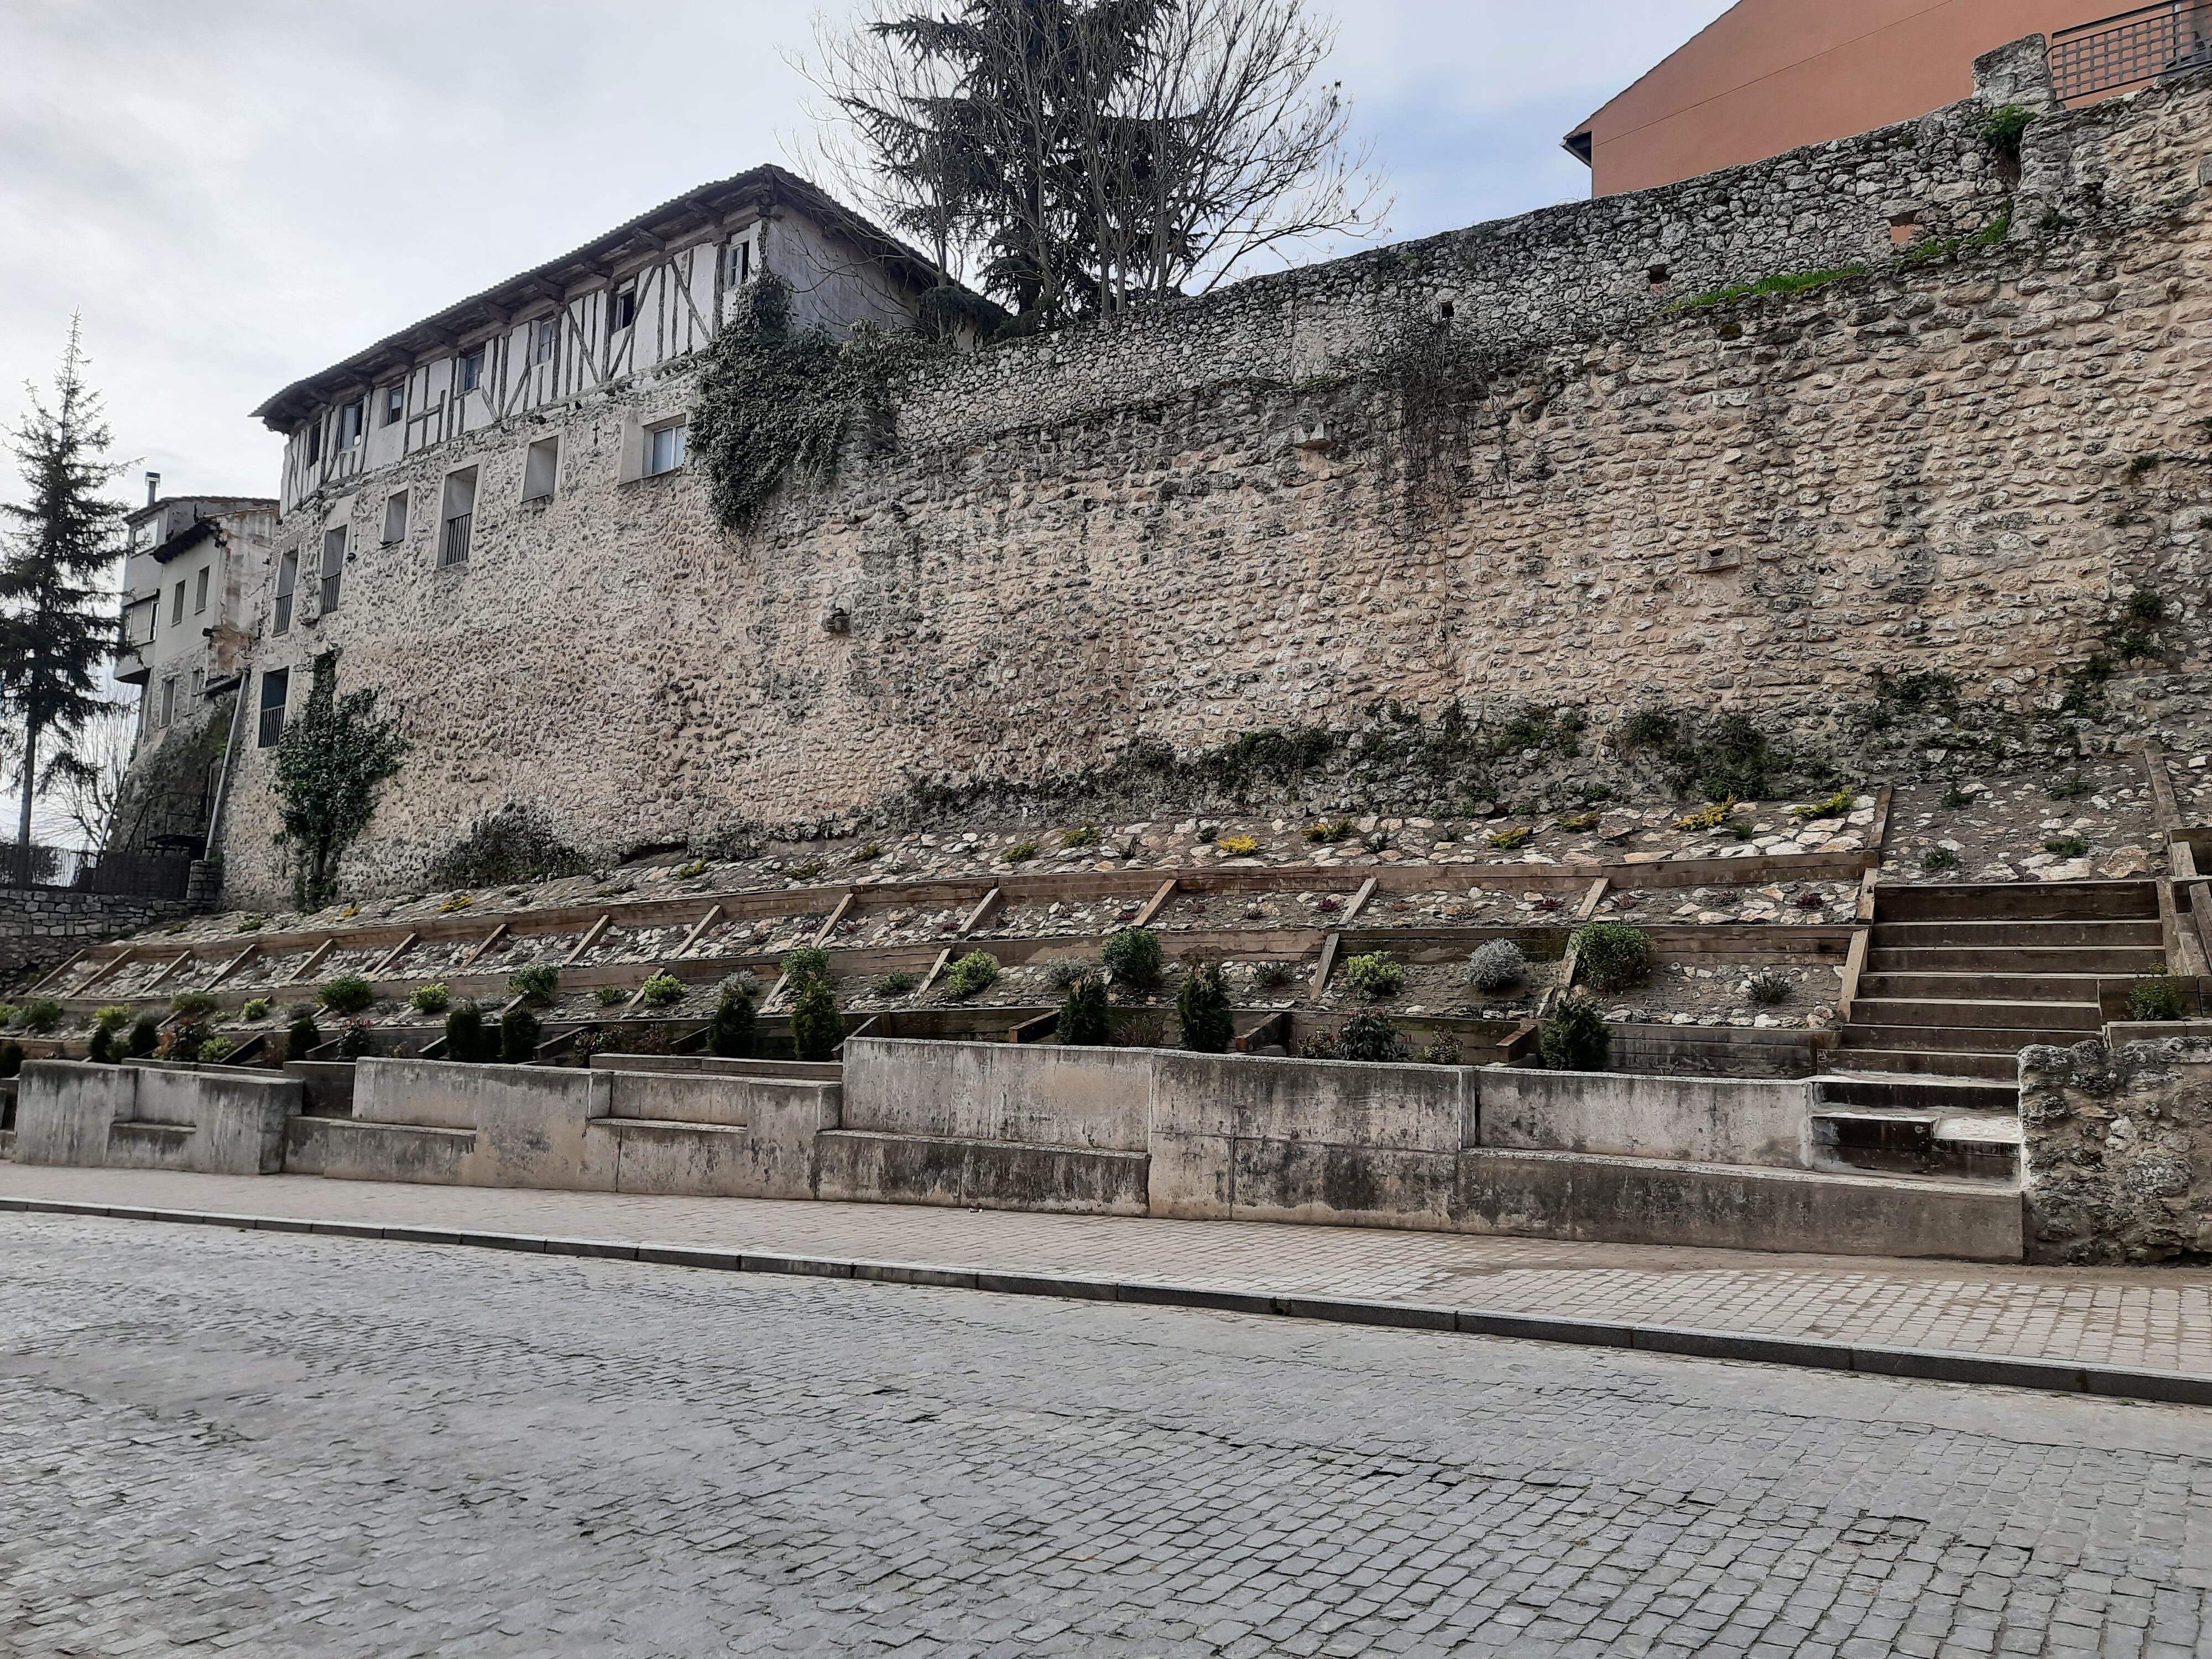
1928 1364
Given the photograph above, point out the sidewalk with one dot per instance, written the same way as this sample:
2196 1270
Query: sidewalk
2151 1320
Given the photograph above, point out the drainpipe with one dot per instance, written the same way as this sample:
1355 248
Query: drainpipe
229 749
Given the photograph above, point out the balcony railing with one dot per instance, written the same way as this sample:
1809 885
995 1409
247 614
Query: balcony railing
454 548
272 727
2130 48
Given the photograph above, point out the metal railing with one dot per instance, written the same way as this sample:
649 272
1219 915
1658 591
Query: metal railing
2130 48
272 726
455 548
329 598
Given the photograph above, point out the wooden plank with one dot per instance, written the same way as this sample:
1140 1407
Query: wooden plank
497 934
1588 907
1879 830
1271 1029
774 992
1328 966
2181 860
1863 911
638 995
71 963
984 907
1854 965
590 939
232 966
936 968
1034 1031
385 963
329 945
714 915
1166 891
2200 911
822 934
2162 789
162 977
1359 899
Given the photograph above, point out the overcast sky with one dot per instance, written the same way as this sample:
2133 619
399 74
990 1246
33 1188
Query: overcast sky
238 193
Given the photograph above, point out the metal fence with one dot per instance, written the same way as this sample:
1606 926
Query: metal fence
138 875
2130 48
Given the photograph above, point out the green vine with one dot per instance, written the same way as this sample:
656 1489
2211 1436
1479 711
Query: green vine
773 402
329 764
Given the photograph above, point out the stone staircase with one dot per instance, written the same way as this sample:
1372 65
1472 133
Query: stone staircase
1957 980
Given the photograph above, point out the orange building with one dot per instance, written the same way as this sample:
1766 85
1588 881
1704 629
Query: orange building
1768 75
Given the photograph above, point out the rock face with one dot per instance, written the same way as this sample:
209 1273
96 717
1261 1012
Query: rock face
1504 466
2117 1150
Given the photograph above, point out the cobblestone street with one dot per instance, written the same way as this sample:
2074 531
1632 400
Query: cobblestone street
281 1444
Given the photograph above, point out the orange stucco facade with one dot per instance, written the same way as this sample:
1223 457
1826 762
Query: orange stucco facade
1768 75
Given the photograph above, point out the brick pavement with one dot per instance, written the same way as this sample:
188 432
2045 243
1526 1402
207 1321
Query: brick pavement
2158 1319
278 1445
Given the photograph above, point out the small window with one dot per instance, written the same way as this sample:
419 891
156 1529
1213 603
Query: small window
350 416
168 701
622 312
177 609
199 591
199 687
275 684
314 437
740 270
395 403
664 448
334 546
471 370
287 579
546 340
395 518
541 465
458 520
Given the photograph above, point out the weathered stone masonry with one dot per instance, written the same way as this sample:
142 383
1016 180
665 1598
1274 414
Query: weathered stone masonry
1491 467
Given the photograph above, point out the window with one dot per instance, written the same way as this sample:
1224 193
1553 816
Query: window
395 518
177 610
622 310
458 515
199 591
334 546
395 403
546 340
168 701
313 436
350 423
287 578
199 687
275 684
541 465
740 269
471 370
664 448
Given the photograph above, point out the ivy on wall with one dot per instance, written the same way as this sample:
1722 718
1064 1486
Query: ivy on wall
331 766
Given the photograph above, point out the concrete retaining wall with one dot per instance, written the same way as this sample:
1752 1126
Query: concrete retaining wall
1703 1119
1035 1096
205 1120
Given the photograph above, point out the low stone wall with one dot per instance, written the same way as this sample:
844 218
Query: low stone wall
147 1115
2117 1151
1039 1095
42 927
1702 1120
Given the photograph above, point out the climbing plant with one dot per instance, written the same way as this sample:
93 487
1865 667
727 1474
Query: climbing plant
331 764
775 400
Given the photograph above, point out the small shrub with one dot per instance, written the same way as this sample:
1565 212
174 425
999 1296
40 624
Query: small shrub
2156 996
973 972
1836 805
520 1034
614 889
1955 797
2002 129
12 1059
456 902
1369 1037
2132 644
2146 604
806 965
696 868
1207 832
253 924
869 854
1087 835
806 871
536 984
145 1037
9 1013
1373 975
1579 821
43 1015
1649 728
1495 965
2142 463
895 984
1441 1050
1328 906
114 1016
2067 846
1613 955
1202 1011
732 1032
1238 847
1271 976
214 1050
356 1037
1329 830
1592 793
1508 839
467 1040
1085 1021
1937 860
1021 852
2072 786
1711 818
817 1027
1767 988
607 995
1133 959
661 991
1575 1037
349 993
254 1008
1062 972
101 1050
429 1000
191 1004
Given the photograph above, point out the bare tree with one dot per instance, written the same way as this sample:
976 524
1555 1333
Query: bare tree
91 798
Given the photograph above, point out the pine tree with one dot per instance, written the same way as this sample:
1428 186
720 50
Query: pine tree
59 624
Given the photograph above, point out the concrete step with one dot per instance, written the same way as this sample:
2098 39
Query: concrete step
1970 1146
2030 960
1991 1015
1980 988
1956 1039
2018 900
2015 935
1921 1062
1930 1093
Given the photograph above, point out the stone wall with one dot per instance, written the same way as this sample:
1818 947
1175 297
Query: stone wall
2117 1150
42 927
1490 468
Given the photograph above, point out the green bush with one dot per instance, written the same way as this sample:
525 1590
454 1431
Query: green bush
114 1016
1767 988
536 985
2069 787
1085 836
12 1059
1495 965
42 1016
520 1034
972 973
356 1037
1613 955
1133 959
1649 728
1954 798
1271 976
661 991
466 1041
1442 1050
1373 975
349 993
730 1032
897 984
254 1008
1937 860
607 995
1063 973
1021 852
214 1050
2147 606
1329 831
101 1051
2066 847
1363 1037
1085 1021
817 1027
2156 996
2002 129
145 1037
429 999
191 1004
1202 1011
1575 1037
807 963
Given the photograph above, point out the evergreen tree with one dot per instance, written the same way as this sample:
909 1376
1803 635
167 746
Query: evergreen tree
330 764
1203 1011
57 615
730 1033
